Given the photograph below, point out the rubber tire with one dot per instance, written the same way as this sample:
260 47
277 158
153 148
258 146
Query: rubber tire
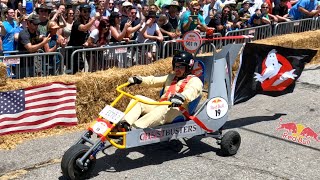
230 143
68 164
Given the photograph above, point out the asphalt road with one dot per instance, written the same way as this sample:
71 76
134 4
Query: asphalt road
263 154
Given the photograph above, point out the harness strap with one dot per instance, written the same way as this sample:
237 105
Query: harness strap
195 119
172 88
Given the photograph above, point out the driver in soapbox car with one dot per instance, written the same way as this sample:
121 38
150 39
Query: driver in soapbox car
180 87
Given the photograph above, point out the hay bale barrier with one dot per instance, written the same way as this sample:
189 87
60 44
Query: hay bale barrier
3 74
95 90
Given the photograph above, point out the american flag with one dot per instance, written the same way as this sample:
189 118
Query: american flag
38 107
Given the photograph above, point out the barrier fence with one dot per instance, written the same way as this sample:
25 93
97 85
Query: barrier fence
124 54
101 58
33 64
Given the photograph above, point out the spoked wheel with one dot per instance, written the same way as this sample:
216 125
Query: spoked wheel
68 164
230 143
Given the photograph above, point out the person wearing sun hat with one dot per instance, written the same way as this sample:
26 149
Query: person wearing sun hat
173 9
54 43
43 11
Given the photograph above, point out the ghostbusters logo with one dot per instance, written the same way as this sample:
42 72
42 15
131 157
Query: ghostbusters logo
276 74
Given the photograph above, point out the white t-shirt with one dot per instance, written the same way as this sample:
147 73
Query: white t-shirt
94 35
150 31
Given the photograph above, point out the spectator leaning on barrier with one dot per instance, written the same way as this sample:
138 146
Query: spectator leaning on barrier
79 32
192 20
150 31
244 13
304 9
29 39
99 36
166 27
116 34
222 21
262 17
8 30
56 40
281 11
54 43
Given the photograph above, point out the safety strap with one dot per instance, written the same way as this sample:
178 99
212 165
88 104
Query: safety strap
195 119
172 88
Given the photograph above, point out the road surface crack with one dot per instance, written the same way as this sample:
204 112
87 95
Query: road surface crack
13 174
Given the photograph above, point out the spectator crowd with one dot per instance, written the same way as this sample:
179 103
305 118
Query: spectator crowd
30 25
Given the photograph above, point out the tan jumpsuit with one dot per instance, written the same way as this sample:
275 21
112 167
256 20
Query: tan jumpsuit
154 115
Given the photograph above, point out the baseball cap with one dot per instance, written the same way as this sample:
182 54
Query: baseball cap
34 19
84 6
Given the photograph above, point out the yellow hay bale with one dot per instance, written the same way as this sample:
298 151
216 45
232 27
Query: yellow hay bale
3 74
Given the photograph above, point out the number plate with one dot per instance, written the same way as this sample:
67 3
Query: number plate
100 127
111 114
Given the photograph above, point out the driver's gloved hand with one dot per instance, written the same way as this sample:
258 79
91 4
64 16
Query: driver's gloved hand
135 80
177 100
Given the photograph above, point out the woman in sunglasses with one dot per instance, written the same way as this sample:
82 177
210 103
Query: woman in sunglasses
99 36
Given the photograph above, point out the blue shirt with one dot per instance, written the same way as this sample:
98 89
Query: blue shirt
184 20
29 6
8 42
309 5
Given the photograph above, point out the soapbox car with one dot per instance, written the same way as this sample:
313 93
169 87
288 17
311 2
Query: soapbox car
206 118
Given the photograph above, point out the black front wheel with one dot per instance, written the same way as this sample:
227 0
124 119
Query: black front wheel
68 164
230 143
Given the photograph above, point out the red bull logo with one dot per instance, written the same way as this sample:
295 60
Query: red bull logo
298 133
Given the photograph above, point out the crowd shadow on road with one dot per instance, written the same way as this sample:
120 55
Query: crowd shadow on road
241 122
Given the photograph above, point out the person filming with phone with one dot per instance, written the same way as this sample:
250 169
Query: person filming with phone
192 20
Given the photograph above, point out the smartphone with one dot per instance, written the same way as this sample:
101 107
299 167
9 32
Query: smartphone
194 17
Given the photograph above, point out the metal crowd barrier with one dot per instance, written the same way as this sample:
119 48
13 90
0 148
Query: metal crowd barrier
317 23
33 64
295 26
101 58
259 32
